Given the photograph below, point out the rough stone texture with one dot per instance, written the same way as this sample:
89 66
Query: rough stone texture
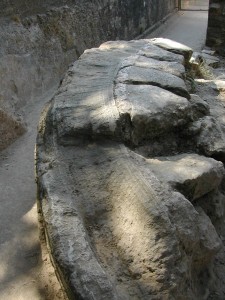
174 47
152 51
216 26
209 131
200 108
117 229
10 129
175 68
151 111
39 39
191 174
140 75
208 59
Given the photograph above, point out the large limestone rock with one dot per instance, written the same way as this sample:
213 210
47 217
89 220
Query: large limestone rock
116 226
191 174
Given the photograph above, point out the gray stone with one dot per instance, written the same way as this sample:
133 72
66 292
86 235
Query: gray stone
115 229
139 75
10 129
210 60
175 68
39 39
152 110
213 204
152 51
174 47
202 57
211 140
216 24
217 85
191 174
208 51
211 129
200 108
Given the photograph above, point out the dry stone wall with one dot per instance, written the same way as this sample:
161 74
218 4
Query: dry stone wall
39 39
216 26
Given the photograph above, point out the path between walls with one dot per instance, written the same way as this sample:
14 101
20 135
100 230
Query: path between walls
25 273
185 27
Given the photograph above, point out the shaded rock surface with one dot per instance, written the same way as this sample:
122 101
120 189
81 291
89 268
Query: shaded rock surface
211 128
117 214
216 25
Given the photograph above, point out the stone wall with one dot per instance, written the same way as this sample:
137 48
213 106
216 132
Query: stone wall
216 26
39 39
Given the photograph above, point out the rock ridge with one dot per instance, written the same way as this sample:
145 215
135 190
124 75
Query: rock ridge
124 190
40 39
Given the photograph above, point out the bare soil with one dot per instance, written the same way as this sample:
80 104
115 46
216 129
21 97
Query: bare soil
26 271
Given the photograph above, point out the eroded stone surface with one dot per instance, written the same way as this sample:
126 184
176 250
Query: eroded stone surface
174 47
191 174
209 131
151 110
152 51
140 75
39 39
10 129
116 228
173 67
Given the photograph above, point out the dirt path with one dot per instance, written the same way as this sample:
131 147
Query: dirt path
25 272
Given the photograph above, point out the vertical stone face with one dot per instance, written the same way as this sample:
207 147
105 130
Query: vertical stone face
216 26
121 209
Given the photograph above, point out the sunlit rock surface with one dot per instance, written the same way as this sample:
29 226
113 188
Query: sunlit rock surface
191 174
123 223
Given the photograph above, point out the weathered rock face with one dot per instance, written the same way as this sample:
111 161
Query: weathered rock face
121 222
209 131
39 39
10 129
216 26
